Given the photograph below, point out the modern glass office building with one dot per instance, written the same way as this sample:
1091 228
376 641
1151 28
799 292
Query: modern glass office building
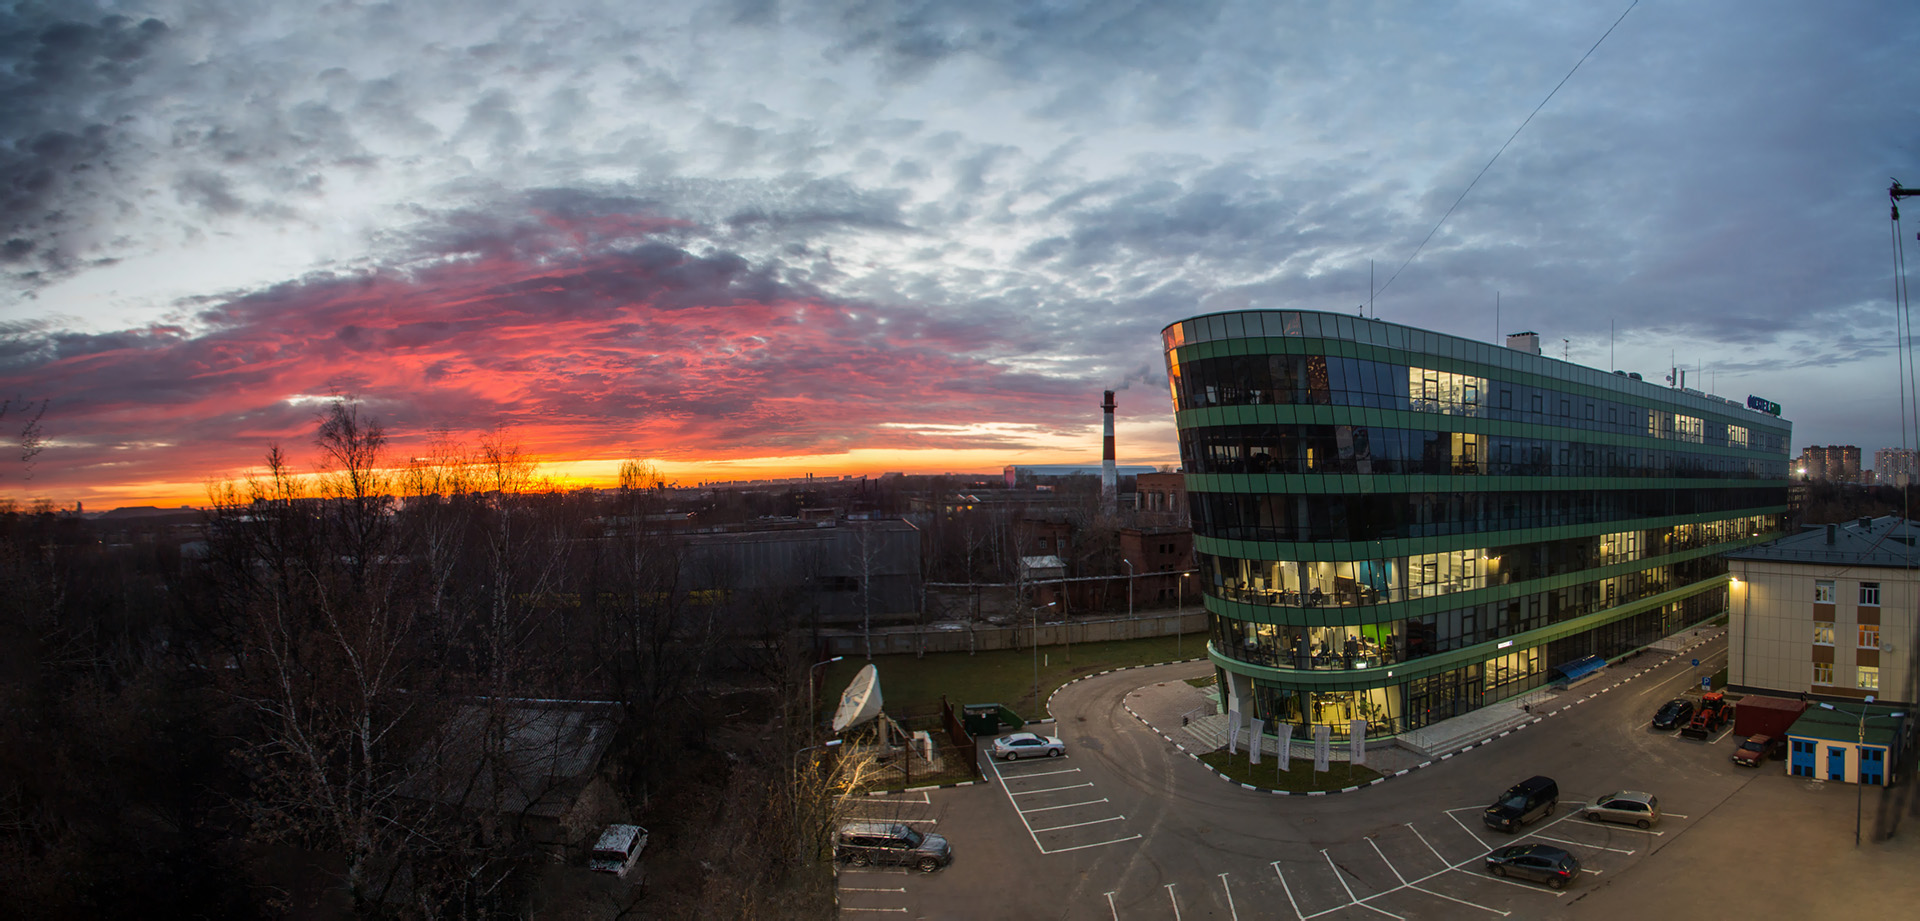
1401 526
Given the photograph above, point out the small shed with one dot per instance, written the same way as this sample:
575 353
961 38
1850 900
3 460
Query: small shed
1838 745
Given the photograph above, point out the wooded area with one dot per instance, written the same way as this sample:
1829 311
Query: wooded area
370 689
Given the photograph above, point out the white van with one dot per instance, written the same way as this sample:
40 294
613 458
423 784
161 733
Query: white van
618 850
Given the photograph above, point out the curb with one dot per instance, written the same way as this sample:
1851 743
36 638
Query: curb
931 786
1403 771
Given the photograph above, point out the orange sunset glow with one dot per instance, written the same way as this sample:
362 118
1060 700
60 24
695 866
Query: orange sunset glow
587 343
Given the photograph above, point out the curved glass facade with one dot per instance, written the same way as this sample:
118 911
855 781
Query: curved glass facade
1399 526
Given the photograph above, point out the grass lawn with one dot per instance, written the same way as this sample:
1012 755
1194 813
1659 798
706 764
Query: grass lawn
1204 682
913 685
1301 779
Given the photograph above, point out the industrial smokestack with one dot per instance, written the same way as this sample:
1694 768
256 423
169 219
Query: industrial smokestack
1109 475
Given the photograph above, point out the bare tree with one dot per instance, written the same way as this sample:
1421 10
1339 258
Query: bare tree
326 658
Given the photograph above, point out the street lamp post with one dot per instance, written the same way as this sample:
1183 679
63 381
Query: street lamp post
796 781
813 725
1036 649
1132 634
1859 755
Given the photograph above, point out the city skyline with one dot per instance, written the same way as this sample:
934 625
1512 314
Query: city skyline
746 240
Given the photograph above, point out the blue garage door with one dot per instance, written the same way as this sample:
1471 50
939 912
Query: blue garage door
1873 765
1836 763
1802 763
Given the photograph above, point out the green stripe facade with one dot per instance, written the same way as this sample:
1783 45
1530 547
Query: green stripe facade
1400 526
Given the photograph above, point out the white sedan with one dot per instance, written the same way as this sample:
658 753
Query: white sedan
1027 745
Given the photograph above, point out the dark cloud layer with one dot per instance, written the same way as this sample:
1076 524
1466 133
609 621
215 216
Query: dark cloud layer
746 227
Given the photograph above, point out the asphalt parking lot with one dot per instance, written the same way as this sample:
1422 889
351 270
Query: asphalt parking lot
1127 827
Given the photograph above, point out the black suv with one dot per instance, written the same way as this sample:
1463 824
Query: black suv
1522 803
891 844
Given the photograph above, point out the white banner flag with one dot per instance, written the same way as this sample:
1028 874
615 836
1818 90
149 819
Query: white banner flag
1254 747
1284 736
1233 732
1322 746
1357 742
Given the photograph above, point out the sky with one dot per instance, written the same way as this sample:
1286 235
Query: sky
758 238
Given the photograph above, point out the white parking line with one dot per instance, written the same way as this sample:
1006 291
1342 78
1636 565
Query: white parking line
1223 885
1416 888
1469 831
1389 863
1118 818
1610 826
1045 773
1556 893
1176 902
1423 840
1287 889
1082 847
888 797
1050 789
1596 847
1673 815
851 908
1343 884
1091 802
884 818
1111 909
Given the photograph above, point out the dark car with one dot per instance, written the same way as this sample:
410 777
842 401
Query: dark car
891 844
1757 749
1539 862
1674 714
1522 803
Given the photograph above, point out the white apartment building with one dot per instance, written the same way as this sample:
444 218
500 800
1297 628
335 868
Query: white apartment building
1828 613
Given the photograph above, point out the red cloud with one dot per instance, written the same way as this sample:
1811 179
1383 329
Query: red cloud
588 337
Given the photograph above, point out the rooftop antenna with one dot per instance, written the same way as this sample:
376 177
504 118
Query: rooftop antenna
1611 364
1370 290
1566 349
1496 317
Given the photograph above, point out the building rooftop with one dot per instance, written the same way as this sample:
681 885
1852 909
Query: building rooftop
1843 725
1887 541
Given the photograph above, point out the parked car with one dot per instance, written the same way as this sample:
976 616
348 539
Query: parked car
1673 714
1027 745
1757 749
1522 803
891 844
1542 862
1628 807
618 850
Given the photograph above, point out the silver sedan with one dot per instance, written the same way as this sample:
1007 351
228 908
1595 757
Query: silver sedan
1027 745
1627 807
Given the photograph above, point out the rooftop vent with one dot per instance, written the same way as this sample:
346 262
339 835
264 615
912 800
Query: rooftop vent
1528 342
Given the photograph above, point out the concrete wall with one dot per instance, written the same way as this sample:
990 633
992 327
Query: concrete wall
985 637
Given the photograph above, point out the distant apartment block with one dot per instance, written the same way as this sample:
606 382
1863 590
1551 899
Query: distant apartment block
1894 466
1829 463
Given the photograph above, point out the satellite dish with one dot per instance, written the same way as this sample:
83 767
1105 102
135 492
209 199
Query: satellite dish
860 701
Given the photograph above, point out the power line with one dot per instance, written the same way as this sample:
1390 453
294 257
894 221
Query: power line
1503 149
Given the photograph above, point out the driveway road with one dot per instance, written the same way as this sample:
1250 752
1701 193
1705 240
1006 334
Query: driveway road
1127 827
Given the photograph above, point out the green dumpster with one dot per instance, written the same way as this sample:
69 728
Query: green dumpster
981 719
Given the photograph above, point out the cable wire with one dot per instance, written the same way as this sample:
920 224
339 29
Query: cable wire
1503 149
